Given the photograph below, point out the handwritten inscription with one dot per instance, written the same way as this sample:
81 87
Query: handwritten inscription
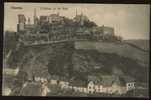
43 8
15 7
57 8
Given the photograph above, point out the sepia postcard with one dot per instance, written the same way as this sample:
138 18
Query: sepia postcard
79 50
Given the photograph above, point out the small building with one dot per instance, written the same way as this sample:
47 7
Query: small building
21 22
76 89
109 84
130 86
44 89
43 19
41 79
107 30
10 71
85 90
91 88
53 82
95 87
55 18
63 84
78 86
129 82
98 88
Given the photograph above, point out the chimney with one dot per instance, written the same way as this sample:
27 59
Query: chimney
21 22
76 12
35 16
28 20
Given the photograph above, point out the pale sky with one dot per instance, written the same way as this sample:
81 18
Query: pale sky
131 21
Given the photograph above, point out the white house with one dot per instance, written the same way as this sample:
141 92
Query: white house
85 90
76 89
40 79
9 71
104 90
130 86
45 89
70 87
43 79
99 88
53 82
37 79
25 84
91 87
122 90
80 89
63 84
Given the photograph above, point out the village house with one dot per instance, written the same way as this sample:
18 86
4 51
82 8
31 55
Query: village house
129 82
130 86
10 71
91 87
94 84
40 79
109 84
78 86
53 82
63 84
85 90
75 88
99 88
44 88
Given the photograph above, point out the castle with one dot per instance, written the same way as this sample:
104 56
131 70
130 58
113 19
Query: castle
54 27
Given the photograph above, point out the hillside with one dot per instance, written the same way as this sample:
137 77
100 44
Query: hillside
121 49
144 44
65 60
78 60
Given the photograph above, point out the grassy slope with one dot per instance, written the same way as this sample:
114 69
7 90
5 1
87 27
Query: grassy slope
86 60
144 44
121 49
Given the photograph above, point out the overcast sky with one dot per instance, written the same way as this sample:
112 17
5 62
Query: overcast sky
129 21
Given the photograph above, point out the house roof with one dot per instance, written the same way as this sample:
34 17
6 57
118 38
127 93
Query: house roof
77 83
95 79
128 79
106 80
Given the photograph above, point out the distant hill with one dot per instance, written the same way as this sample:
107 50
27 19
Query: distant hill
144 44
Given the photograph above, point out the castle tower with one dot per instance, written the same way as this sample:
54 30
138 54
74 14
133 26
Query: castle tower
21 22
35 17
81 19
76 12
28 20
